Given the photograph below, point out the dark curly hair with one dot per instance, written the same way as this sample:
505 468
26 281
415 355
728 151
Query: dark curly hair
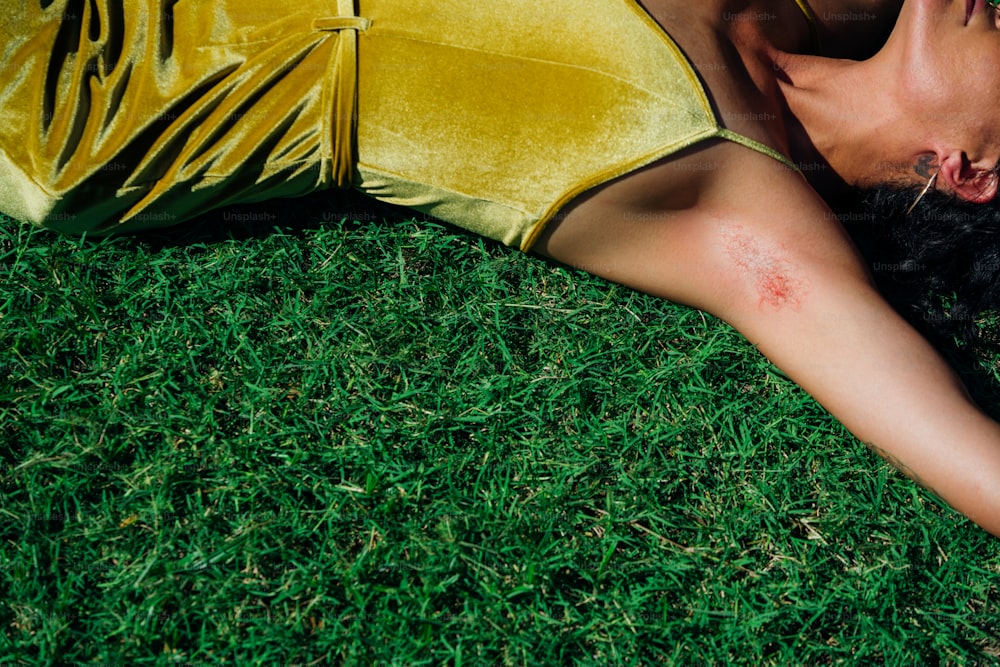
939 266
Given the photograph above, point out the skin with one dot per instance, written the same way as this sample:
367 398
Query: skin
872 120
779 267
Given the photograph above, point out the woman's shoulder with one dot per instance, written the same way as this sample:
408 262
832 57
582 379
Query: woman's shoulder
680 200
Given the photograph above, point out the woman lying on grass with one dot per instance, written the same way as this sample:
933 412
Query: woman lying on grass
685 149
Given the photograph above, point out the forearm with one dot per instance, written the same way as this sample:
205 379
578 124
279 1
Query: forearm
789 279
873 372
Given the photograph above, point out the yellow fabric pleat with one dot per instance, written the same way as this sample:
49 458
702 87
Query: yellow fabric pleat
123 115
340 99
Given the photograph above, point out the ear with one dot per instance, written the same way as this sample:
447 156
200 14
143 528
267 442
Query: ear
976 184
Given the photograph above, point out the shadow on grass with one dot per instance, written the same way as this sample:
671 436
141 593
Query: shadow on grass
981 383
291 216
297 217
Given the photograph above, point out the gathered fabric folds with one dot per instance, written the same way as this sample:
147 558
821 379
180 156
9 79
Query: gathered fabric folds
118 115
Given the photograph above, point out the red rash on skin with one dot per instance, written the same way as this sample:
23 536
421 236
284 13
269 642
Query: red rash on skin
769 271
775 289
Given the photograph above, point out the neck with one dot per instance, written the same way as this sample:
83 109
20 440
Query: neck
834 122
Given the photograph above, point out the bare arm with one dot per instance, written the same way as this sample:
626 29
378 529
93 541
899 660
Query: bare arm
848 349
781 270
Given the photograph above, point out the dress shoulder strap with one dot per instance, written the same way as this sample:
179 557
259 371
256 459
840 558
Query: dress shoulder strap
756 145
813 25
737 138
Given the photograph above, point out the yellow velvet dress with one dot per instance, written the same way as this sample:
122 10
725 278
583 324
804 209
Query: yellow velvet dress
117 115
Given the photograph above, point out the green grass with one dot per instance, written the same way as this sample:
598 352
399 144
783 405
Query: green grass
330 436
